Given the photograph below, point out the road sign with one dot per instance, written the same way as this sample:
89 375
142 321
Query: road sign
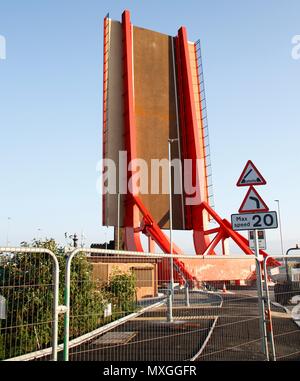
253 202
254 221
250 176
261 236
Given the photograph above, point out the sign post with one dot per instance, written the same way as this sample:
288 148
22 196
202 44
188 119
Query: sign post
261 301
254 216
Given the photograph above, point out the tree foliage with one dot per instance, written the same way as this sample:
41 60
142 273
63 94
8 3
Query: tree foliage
123 288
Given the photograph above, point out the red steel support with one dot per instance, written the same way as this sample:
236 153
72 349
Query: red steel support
214 243
132 239
192 149
150 228
197 215
182 121
105 95
202 152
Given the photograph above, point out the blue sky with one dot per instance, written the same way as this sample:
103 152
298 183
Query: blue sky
51 107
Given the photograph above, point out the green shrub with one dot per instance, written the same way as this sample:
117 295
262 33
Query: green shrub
26 282
87 302
122 286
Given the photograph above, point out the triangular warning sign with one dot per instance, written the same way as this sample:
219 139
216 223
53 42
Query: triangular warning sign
250 176
253 203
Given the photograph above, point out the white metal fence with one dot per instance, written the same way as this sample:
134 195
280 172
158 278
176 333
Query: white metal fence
284 297
29 289
203 320
119 306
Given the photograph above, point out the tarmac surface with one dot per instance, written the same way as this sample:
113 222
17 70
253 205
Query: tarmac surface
236 336
155 339
286 335
215 327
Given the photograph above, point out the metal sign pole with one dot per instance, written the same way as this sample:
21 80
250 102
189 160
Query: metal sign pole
269 312
261 307
118 232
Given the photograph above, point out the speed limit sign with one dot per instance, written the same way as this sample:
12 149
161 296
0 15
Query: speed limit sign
254 221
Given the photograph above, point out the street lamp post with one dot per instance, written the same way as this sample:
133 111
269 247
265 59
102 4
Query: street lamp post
118 231
171 289
105 237
281 240
7 234
39 237
280 228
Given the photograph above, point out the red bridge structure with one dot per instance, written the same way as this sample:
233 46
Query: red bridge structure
153 91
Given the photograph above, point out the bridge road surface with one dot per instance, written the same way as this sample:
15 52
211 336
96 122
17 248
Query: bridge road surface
235 336
286 335
149 337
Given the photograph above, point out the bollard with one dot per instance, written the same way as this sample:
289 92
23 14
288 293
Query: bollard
169 307
187 295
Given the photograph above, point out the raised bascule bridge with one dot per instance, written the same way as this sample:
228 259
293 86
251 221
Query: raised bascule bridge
154 99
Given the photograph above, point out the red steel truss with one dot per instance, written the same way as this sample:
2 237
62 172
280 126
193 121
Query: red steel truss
137 218
131 221
191 148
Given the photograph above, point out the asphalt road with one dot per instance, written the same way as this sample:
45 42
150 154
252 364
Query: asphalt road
153 338
236 336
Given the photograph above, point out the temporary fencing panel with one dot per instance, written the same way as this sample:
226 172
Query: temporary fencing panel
131 312
29 303
121 306
284 295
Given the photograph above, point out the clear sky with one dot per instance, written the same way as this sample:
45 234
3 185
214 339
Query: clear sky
51 107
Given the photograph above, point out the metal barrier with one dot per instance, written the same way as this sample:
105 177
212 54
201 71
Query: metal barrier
211 319
282 293
119 306
28 302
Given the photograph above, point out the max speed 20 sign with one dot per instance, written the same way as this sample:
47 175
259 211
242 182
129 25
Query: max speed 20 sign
254 221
